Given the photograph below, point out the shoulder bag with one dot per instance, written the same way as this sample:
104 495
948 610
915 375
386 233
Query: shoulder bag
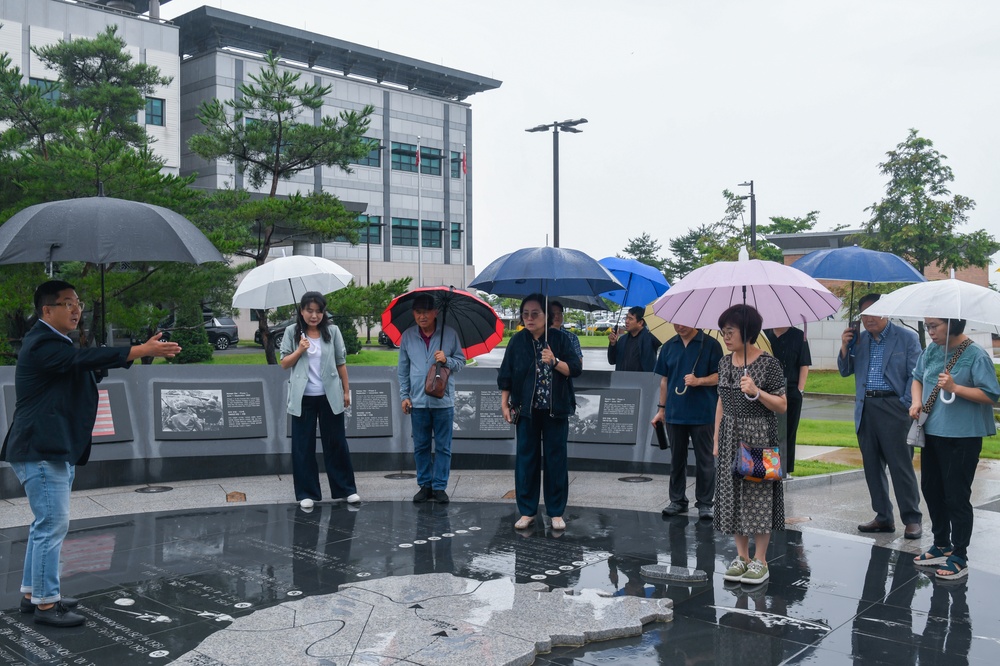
752 462
915 437
436 382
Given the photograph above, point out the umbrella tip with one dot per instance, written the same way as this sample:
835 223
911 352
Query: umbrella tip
744 255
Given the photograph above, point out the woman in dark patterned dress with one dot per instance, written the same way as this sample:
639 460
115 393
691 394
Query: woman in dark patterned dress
751 392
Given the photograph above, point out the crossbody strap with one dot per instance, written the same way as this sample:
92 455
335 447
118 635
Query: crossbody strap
932 398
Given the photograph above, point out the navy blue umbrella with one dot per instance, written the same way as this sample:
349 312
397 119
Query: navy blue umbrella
551 271
857 264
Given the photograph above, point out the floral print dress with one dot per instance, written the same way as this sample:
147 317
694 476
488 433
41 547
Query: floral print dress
747 507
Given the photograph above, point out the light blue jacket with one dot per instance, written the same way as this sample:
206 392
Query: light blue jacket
334 354
900 357
415 358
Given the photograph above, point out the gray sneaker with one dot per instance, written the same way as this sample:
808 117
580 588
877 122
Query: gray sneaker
756 573
674 508
736 570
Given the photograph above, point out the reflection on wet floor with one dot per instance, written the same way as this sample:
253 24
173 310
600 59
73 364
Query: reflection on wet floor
153 586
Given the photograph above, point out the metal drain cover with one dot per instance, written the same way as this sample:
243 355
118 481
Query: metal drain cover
154 489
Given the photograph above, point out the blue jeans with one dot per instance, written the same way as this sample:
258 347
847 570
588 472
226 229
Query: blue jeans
541 443
47 485
336 454
432 469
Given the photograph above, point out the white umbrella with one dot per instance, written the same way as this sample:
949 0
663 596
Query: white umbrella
283 281
942 299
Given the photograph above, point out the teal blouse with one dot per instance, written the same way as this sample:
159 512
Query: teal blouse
961 418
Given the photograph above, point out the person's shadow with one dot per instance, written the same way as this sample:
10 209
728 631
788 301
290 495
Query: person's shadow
434 555
949 629
886 626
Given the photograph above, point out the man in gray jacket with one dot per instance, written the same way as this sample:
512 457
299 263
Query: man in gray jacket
431 418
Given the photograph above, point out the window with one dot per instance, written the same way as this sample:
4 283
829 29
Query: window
404 232
374 156
48 89
154 111
456 236
430 161
372 234
404 157
456 164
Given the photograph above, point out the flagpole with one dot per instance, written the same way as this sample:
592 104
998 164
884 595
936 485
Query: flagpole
420 225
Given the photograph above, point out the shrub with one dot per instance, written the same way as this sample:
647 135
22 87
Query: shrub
190 335
346 326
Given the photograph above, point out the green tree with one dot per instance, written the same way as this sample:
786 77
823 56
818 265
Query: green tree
189 333
688 252
918 218
782 225
644 249
99 75
260 132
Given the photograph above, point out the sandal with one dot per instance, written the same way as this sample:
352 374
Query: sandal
933 556
524 522
956 567
558 523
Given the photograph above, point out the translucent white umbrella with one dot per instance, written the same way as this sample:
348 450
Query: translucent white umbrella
283 281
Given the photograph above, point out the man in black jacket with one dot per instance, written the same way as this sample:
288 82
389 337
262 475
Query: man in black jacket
635 351
51 434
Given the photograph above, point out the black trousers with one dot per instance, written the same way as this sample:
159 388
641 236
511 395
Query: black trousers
947 468
701 439
794 396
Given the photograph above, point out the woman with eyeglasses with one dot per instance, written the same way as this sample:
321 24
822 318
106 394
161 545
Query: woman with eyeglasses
751 393
318 390
536 389
961 401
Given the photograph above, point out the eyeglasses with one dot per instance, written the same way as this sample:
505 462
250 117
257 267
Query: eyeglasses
933 327
729 332
531 314
71 305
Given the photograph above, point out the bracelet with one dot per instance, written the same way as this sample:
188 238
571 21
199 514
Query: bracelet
661 406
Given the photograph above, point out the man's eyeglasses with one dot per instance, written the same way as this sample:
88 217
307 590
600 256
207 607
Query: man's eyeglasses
531 314
71 305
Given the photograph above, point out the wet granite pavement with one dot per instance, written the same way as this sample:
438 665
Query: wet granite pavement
158 581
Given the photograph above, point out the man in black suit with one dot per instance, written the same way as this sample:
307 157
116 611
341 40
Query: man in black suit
51 434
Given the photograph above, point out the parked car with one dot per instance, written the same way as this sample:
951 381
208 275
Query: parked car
222 332
602 325
385 340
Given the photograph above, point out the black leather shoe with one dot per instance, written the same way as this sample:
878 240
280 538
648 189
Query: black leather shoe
674 508
441 497
58 616
876 525
424 494
913 531
28 607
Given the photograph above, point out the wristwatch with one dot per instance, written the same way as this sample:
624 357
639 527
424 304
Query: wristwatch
555 362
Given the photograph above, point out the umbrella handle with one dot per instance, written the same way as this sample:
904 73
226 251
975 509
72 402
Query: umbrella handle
681 392
756 397
944 399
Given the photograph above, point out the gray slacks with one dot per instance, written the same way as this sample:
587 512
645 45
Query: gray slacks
882 438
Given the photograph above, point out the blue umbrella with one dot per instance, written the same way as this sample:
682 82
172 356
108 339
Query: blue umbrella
551 271
643 283
857 265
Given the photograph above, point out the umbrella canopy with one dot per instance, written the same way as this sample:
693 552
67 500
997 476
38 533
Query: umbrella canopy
643 283
552 271
102 230
857 264
588 303
282 281
783 295
477 324
942 299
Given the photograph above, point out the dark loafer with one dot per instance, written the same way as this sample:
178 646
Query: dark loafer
876 526
28 607
58 616
913 531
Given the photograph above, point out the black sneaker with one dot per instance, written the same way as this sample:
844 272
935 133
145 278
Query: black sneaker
28 607
58 616
424 494
441 497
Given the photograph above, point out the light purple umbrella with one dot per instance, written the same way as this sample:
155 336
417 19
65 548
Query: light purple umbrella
783 295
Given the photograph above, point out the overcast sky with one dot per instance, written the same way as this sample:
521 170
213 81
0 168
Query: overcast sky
686 98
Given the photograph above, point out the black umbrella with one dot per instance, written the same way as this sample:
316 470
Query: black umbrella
477 324
102 230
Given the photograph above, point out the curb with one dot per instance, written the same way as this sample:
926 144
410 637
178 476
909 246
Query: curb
820 480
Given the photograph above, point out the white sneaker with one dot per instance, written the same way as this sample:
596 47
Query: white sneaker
306 503
353 499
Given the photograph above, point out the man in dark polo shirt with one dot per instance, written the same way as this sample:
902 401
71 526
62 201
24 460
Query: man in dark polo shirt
790 347
688 366
636 350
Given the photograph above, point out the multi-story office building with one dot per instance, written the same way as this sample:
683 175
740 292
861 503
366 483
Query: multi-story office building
419 107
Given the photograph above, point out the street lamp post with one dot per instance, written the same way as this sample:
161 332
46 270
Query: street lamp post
556 127
753 214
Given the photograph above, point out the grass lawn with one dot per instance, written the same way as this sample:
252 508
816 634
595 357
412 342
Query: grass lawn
829 381
814 467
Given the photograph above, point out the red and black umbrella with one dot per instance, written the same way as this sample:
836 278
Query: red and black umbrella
477 324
